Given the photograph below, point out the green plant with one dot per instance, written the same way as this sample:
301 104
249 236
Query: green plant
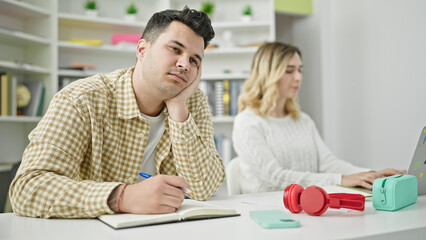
132 9
247 10
91 4
207 7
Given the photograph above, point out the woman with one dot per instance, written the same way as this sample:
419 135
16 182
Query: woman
277 143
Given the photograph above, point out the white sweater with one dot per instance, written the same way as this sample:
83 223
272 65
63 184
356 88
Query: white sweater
276 152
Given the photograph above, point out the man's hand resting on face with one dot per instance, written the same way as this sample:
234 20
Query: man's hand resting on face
178 111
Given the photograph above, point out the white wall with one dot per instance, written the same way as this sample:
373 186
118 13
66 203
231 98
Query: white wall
307 36
305 32
371 76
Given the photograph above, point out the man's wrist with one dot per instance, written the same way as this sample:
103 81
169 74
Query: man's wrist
178 112
113 198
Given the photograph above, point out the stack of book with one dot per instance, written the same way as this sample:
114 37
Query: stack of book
223 96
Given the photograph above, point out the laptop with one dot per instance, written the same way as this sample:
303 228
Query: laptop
418 164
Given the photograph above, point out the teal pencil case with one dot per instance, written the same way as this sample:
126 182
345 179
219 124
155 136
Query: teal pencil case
394 192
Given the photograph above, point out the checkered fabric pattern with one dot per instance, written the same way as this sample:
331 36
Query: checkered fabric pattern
92 139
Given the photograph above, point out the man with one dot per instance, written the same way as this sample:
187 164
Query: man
99 133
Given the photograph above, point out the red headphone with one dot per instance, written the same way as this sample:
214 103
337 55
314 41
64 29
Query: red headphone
315 201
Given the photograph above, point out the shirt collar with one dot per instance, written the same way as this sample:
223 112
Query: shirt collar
127 106
126 101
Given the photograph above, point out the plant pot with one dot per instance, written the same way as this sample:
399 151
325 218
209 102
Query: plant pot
246 18
91 13
130 17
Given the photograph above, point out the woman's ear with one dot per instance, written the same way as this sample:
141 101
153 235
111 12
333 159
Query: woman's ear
141 48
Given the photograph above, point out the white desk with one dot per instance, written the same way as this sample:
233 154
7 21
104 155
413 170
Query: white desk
408 223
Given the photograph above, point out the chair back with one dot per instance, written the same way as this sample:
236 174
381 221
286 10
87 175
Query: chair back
233 173
7 204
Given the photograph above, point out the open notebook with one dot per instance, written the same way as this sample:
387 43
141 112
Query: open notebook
190 210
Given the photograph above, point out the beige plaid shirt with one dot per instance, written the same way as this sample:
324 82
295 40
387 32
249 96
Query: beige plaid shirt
92 139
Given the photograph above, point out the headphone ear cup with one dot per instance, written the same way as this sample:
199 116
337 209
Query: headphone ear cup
314 200
292 198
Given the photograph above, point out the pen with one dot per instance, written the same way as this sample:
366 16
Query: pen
146 175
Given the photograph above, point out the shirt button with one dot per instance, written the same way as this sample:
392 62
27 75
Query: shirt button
186 132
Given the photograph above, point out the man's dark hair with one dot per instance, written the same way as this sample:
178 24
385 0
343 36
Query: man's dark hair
198 21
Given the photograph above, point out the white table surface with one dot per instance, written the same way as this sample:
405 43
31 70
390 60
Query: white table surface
408 223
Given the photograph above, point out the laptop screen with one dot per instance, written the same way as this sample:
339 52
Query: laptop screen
418 164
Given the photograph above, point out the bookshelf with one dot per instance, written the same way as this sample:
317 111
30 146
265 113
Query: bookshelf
28 35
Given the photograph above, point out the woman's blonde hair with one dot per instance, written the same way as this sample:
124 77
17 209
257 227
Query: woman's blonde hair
261 88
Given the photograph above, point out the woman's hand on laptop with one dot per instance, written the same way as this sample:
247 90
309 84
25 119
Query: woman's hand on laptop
366 179
361 179
390 171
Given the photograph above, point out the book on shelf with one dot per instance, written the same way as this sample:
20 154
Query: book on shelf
35 106
234 91
219 105
95 42
79 66
189 210
40 105
125 37
207 89
12 95
3 95
226 97
7 94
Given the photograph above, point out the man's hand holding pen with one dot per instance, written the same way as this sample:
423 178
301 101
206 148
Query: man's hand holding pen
158 194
